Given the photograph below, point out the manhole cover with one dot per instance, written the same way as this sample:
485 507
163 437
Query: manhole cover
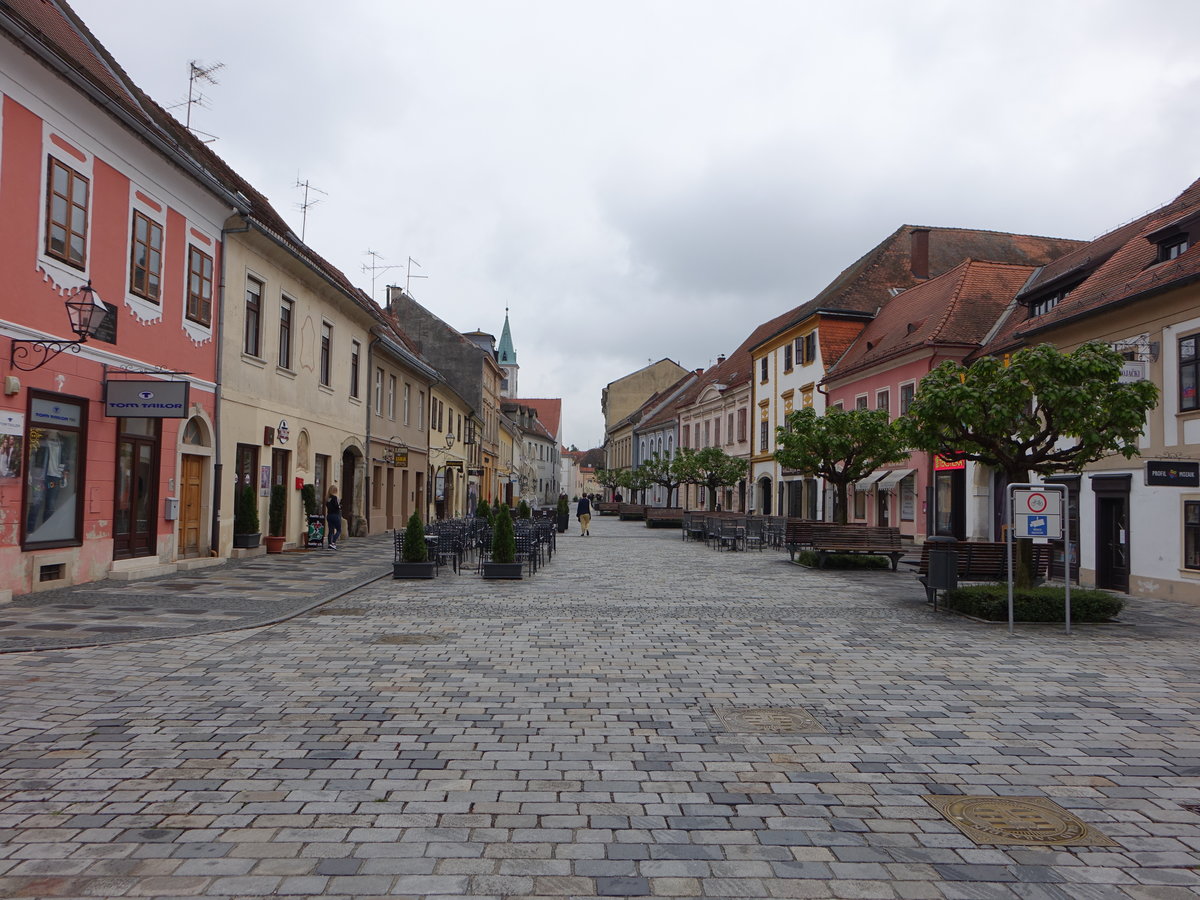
768 720
409 639
1016 820
337 611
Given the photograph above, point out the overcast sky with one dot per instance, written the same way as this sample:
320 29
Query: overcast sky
640 180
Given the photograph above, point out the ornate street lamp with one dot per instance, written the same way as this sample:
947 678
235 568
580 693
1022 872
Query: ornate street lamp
86 312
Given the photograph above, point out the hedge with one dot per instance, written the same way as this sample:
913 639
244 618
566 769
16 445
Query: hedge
1038 604
842 560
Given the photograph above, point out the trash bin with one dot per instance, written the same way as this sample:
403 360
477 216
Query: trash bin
943 566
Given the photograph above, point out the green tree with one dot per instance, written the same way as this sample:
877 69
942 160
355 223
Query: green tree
1042 412
483 510
634 481
523 511
710 467
841 446
609 478
662 471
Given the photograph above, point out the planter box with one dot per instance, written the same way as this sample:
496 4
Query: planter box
509 571
274 543
425 569
247 541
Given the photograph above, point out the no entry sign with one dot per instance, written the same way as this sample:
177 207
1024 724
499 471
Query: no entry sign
1037 514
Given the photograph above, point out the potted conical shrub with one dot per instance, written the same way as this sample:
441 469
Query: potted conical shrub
504 549
523 511
246 533
414 561
483 511
275 513
563 513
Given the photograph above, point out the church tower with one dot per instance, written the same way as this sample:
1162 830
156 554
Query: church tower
506 356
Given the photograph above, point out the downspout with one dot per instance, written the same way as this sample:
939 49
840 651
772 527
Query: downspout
214 536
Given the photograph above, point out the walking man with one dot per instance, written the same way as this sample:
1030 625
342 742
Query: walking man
583 512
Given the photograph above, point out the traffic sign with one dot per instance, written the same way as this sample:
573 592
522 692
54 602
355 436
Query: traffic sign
1037 503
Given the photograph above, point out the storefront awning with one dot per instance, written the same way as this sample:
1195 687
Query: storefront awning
867 483
893 477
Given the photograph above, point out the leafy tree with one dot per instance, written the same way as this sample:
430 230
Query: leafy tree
841 446
609 478
634 481
710 467
1043 412
662 471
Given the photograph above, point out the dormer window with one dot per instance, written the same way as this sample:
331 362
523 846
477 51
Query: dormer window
1044 304
1172 248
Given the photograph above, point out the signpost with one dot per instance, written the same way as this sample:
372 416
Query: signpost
1036 511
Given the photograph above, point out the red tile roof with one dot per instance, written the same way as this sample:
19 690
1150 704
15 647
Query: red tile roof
548 409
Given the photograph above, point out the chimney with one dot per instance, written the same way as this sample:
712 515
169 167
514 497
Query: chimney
699 371
919 258
720 359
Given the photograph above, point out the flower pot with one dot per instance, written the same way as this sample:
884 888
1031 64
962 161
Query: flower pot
564 519
247 541
274 543
509 571
414 569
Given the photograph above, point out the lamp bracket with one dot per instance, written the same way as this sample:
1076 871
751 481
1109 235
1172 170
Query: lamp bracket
31 355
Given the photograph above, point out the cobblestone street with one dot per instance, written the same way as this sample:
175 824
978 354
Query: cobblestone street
643 717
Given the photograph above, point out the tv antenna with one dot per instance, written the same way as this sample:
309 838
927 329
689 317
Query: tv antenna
199 73
306 202
374 268
409 276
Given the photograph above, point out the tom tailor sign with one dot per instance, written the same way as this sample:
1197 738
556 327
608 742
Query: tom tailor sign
146 399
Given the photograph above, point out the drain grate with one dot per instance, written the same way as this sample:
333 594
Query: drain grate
1030 821
409 639
768 720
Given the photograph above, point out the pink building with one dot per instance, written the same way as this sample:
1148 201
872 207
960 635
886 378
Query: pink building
100 198
946 318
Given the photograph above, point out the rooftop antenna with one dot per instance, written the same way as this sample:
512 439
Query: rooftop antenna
409 276
197 72
374 268
306 203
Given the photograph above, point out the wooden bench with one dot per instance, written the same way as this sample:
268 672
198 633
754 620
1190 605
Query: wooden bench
606 508
797 535
981 561
631 511
664 517
880 540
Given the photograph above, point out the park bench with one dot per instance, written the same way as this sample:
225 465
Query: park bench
606 508
981 561
878 540
631 511
797 535
664 517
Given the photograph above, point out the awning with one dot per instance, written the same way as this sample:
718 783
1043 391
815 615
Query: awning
893 477
867 483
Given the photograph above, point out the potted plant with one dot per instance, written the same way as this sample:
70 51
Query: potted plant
504 549
523 511
246 533
275 513
483 511
414 561
563 513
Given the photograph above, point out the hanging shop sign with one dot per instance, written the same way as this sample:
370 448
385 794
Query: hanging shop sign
146 399
947 462
1172 473
282 432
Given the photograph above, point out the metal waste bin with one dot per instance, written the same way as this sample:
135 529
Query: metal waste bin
943 566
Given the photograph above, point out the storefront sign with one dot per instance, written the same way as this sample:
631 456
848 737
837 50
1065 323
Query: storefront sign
146 399
396 456
948 462
1132 371
48 412
1171 473
282 433
475 472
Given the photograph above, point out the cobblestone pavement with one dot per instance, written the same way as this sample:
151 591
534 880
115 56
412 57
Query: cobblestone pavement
577 734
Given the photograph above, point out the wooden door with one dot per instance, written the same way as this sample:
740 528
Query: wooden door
191 481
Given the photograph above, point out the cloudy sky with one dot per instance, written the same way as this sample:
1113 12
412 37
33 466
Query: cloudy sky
639 180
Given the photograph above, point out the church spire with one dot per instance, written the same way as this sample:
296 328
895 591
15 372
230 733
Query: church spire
505 354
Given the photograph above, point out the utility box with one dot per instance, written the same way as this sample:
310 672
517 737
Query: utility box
170 508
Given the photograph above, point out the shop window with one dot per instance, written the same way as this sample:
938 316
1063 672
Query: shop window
52 513
1191 534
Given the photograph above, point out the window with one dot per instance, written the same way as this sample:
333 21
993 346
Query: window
326 352
55 433
764 434
378 391
707 434
66 214
763 369
717 431
250 338
882 401
860 504
420 410
391 404
145 258
1189 372
860 402
729 429
810 347
1172 247
200 285
906 397
1191 534
355 353
407 400
287 309
1045 304
742 424
686 441
787 357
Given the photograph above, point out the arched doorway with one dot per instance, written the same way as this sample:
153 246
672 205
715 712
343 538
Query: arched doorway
195 456
764 496
354 521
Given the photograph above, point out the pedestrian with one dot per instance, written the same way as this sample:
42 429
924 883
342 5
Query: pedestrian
583 512
333 516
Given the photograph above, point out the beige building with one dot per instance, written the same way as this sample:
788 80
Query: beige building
449 421
621 399
398 431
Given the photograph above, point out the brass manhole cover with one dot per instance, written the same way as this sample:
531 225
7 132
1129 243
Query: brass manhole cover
768 720
1032 821
337 611
409 639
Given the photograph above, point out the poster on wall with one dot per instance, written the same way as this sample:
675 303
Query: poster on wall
12 431
264 481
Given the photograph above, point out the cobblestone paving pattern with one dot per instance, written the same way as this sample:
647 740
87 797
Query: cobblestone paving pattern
559 737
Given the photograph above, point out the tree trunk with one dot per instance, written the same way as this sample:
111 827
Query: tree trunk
840 506
1023 548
